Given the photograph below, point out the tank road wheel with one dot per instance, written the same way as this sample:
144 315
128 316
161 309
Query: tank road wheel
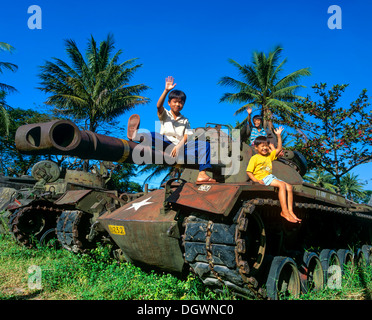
330 263
29 224
364 256
48 236
346 257
253 238
72 229
311 273
283 279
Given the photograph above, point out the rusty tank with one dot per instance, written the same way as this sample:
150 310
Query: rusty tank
229 233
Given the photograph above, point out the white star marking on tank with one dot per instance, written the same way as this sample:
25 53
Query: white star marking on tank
138 205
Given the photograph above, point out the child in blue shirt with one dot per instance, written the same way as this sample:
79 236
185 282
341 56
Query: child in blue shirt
256 129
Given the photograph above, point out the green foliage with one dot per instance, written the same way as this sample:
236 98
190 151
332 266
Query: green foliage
350 186
155 170
322 179
5 88
12 162
120 178
336 139
4 116
356 285
7 66
95 89
262 87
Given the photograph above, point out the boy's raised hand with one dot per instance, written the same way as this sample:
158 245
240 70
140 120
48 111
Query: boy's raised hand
278 131
169 85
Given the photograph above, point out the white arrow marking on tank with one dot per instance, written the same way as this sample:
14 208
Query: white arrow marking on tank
138 205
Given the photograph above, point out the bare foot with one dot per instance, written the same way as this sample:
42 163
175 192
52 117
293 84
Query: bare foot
294 216
133 125
203 177
288 217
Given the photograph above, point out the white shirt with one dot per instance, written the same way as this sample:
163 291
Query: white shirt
174 128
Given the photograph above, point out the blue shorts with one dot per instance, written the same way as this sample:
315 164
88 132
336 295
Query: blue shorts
268 179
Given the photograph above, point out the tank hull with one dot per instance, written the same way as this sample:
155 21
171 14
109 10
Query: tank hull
231 234
145 233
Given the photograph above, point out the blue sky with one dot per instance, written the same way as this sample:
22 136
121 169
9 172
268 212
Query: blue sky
192 41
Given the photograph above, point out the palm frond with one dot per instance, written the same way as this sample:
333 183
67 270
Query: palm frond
293 78
96 87
6 47
8 66
260 84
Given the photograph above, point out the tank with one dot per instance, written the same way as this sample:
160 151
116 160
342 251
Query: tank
230 233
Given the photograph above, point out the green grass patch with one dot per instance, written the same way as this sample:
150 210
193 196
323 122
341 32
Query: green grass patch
97 276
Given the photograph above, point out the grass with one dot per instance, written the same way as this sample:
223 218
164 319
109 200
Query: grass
356 285
94 276
97 276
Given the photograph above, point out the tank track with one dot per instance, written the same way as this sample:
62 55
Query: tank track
31 222
218 252
72 228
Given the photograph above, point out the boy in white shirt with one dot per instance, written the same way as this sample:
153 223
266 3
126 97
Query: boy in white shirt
175 129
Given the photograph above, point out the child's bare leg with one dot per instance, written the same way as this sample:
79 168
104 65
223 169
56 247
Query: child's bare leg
283 200
290 200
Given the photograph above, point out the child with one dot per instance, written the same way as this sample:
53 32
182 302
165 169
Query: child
260 170
175 129
256 128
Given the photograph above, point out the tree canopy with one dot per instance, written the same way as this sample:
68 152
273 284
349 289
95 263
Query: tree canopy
262 86
5 88
336 139
95 89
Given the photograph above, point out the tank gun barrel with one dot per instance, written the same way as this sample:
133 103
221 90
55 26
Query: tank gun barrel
63 137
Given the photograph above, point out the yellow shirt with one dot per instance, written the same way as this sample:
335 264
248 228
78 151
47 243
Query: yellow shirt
261 166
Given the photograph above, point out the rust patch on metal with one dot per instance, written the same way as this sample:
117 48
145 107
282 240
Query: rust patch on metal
72 197
215 198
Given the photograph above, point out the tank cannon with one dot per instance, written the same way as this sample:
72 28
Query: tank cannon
64 203
229 233
63 137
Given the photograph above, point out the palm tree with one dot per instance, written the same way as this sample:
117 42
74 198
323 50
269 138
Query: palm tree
95 89
261 87
5 88
351 187
320 178
4 115
155 170
8 66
